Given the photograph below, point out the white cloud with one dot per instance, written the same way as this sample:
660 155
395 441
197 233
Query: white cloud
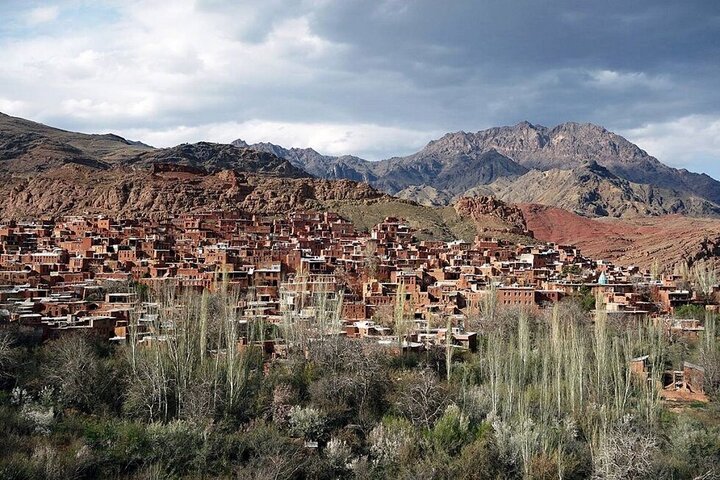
99 110
684 142
40 15
326 138
161 59
612 79
12 107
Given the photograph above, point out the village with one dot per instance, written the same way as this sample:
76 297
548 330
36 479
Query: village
74 275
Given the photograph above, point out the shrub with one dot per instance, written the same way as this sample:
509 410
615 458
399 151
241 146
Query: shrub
452 431
306 422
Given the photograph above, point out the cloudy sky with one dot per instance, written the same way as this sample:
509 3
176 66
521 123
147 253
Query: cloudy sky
371 78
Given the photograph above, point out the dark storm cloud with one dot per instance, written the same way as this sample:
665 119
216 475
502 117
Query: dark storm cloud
548 51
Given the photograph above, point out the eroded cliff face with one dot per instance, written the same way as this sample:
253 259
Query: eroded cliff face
157 192
491 214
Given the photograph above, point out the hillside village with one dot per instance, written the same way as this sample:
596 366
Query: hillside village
77 274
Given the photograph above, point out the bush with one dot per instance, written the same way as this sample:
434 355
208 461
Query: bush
480 459
178 445
306 422
392 441
452 431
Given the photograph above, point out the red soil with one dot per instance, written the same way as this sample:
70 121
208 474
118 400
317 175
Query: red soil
640 241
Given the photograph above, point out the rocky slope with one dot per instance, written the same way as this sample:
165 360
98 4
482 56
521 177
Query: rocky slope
492 215
162 191
592 190
322 166
571 144
509 160
450 171
214 157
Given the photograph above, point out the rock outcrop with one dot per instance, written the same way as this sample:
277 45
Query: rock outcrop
122 191
592 190
491 214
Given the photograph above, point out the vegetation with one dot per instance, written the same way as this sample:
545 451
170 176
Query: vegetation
545 396
431 223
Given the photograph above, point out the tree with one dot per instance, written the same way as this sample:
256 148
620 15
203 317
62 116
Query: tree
76 372
422 398
7 356
625 453
704 277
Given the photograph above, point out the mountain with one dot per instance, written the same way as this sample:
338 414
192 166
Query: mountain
50 172
593 190
579 166
571 144
451 171
318 165
27 146
214 157
445 169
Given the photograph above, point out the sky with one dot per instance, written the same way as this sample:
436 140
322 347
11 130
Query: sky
370 78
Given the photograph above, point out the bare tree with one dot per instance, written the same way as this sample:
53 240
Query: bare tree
7 357
73 368
655 270
710 356
422 399
372 260
625 453
704 277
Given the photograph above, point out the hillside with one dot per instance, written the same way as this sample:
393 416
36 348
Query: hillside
27 146
469 217
669 239
592 190
121 191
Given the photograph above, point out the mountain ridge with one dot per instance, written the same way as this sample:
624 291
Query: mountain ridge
441 171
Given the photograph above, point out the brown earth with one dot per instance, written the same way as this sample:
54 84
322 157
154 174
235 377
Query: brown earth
669 239
129 192
492 215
